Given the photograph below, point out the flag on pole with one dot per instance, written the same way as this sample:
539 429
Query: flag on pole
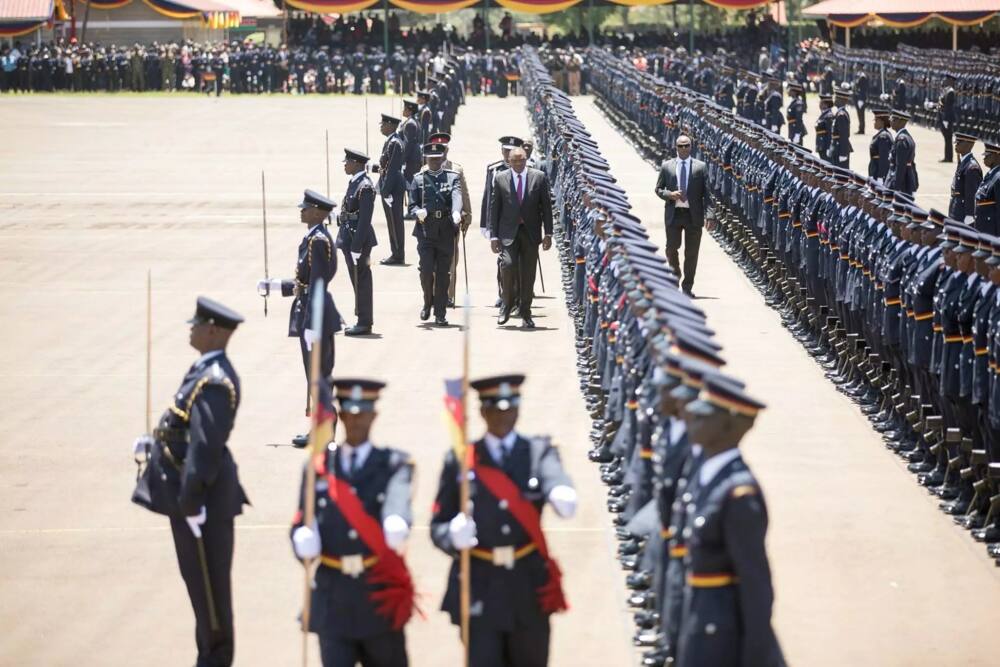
455 415
324 420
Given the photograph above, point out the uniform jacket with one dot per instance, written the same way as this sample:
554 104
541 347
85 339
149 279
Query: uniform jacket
879 151
355 219
390 177
441 195
902 164
317 260
968 176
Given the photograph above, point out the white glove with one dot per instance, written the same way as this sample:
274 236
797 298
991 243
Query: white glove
305 541
266 286
421 214
396 531
142 444
355 256
879 181
388 200
796 137
969 219
462 531
310 337
944 124
456 217
563 499
861 104
195 522
486 232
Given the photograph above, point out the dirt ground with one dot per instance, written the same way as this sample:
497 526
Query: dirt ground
95 191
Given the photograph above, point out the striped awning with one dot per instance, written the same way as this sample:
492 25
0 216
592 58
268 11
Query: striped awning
17 11
904 13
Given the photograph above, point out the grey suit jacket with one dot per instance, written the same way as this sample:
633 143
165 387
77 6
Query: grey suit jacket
697 190
535 210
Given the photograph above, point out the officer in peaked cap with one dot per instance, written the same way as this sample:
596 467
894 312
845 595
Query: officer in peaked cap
362 521
317 262
902 160
445 139
516 582
824 127
840 137
968 176
356 238
190 477
392 187
880 147
436 202
413 139
726 616
988 194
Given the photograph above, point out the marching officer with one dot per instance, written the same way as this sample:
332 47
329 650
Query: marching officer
436 202
968 176
824 127
516 583
317 261
191 478
796 113
392 186
362 521
880 147
726 619
988 194
445 139
356 238
903 158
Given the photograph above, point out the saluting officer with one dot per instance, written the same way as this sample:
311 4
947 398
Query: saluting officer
726 619
190 477
880 147
362 521
902 159
436 201
317 261
356 237
988 194
968 176
516 584
392 186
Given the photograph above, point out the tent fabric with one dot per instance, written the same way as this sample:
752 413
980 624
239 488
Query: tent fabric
904 13
25 11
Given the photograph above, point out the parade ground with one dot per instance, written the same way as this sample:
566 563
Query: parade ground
97 190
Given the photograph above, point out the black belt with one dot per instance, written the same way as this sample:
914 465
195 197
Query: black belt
436 215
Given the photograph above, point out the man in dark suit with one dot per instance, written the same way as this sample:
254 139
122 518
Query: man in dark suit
520 219
683 184
190 476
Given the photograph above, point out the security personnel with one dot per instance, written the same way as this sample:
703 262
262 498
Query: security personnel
796 114
392 187
436 201
356 238
903 158
947 114
773 119
880 147
410 129
190 477
840 137
425 115
726 618
445 139
968 176
824 127
861 98
988 194
317 261
516 583
362 520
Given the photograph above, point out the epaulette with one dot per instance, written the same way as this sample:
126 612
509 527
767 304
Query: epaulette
743 490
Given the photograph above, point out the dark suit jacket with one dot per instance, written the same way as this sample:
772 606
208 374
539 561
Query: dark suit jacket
535 210
697 190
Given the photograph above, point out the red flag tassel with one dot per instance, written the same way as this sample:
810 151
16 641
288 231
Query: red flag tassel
550 596
396 600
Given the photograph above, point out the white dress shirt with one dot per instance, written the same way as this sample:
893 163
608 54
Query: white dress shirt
204 359
713 465
500 448
360 452
687 165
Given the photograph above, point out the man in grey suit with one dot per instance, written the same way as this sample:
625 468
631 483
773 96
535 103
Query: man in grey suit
683 184
520 219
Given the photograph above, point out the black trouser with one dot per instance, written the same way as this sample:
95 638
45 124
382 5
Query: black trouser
861 118
691 233
435 269
947 132
387 650
215 649
326 356
361 279
518 261
394 222
526 646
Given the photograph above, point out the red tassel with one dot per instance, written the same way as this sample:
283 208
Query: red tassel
396 600
550 595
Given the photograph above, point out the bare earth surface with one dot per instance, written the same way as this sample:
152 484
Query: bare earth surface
96 190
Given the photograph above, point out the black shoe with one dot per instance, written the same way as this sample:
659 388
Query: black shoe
425 313
300 441
515 311
358 330
440 321
391 261
499 303
503 316
528 322
688 292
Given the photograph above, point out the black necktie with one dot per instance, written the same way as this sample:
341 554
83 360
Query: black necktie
352 463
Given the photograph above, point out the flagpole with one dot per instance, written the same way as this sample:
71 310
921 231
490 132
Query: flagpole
149 348
465 563
315 448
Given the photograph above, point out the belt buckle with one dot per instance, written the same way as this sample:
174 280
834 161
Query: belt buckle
504 557
352 566
438 215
